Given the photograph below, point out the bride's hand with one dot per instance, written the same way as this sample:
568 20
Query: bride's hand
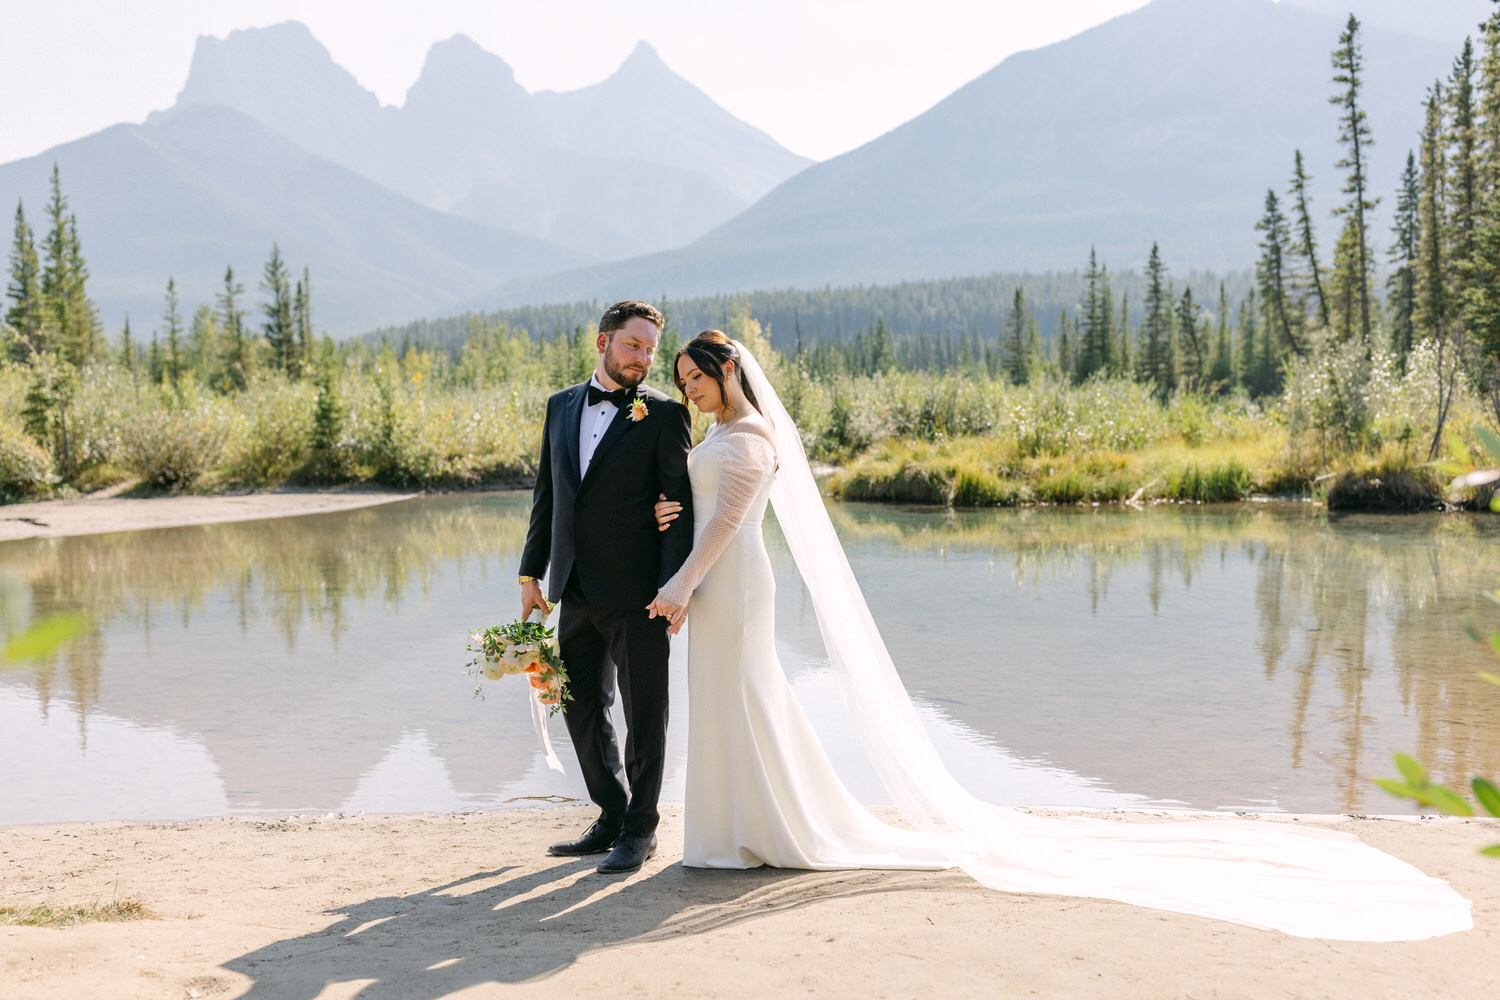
666 512
675 614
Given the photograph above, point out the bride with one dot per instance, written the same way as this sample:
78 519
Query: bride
761 791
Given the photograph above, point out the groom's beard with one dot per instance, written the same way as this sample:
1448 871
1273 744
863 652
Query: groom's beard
626 376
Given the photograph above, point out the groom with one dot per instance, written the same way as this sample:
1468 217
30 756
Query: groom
610 446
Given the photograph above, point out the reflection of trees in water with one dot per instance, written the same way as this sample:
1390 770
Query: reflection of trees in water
1334 599
291 572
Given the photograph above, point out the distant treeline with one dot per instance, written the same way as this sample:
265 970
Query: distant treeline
929 322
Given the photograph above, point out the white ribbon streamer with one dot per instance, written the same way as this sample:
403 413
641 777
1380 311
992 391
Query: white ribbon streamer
539 711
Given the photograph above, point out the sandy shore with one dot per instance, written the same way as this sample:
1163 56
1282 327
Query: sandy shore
99 514
469 905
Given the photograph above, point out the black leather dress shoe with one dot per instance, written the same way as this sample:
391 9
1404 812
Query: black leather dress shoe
595 840
629 853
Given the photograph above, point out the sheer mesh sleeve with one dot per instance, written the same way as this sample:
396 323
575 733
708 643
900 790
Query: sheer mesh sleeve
747 460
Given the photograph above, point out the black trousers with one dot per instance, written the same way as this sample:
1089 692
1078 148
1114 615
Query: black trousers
603 649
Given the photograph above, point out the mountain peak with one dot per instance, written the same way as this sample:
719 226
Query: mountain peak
257 69
458 72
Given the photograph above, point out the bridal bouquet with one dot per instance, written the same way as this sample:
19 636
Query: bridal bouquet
523 647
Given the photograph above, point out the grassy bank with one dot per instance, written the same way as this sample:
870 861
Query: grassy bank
1355 428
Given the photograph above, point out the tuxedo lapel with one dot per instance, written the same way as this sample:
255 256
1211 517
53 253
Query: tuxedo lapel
572 419
617 428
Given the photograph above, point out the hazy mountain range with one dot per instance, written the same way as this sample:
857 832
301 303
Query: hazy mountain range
1165 124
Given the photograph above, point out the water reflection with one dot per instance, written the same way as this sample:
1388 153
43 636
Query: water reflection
1250 656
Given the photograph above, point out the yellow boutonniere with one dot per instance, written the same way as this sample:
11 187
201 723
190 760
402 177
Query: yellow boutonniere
638 409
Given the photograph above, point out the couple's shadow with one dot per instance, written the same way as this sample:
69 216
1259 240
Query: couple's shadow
514 924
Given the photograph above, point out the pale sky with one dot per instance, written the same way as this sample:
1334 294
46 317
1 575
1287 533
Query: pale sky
821 76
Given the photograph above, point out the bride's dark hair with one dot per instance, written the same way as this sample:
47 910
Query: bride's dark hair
711 350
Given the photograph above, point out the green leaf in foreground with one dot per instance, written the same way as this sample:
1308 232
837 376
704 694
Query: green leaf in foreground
42 638
1489 439
1493 850
1413 772
1487 794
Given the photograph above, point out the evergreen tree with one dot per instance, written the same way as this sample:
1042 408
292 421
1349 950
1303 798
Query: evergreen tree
1352 256
237 357
1221 375
1094 325
1064 345
1250 375
280 326
1481 302
1304 247
1402 283
172 321
1432 306
1020 328
1156 328
306 338
127 347
1278 335
26 312
1461 140
1193 361
1122 352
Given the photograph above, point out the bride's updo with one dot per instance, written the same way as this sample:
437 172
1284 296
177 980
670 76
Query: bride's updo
711 350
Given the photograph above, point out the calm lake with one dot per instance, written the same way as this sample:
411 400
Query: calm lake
1260 656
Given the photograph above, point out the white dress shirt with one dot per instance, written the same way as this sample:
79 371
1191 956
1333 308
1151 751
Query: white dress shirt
592 424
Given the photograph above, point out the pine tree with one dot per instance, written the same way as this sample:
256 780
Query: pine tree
280 326
1122 350
172 321
1481 303
1461 140
1064 345
127 347
1305 246
1222 373
1094 326
1017 349
1430 319
1156 328
1402 283
1279 334
1250 374
25 314
1193 365
306 338
237 358
1352 256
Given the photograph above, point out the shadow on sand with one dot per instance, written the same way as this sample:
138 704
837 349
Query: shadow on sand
513 924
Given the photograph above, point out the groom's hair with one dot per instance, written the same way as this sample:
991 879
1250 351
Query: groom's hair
617 315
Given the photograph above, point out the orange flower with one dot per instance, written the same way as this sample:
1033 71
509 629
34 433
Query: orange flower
540 684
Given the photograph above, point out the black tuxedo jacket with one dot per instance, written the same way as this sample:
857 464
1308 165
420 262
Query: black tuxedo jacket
602 526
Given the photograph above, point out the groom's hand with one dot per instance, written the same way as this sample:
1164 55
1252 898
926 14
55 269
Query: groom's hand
531 597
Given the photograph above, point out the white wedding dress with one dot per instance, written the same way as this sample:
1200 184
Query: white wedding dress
760 790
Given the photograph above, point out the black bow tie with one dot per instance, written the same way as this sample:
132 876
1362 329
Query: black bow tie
617 396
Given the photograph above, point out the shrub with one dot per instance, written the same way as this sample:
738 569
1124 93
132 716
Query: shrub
272 429
25 467
173 443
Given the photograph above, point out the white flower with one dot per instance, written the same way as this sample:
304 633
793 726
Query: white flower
511 665
491 671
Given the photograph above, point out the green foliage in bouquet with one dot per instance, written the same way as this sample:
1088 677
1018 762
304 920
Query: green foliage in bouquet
521 647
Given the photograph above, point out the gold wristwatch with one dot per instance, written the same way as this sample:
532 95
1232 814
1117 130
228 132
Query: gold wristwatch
525 579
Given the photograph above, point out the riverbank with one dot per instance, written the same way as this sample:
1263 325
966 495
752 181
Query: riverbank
99 514
436 905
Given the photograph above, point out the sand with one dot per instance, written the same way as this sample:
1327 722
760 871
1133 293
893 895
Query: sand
469 905
99 514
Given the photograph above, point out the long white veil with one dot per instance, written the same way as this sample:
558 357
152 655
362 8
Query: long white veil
1302 881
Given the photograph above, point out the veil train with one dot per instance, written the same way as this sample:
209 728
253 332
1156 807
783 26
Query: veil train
1305 882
